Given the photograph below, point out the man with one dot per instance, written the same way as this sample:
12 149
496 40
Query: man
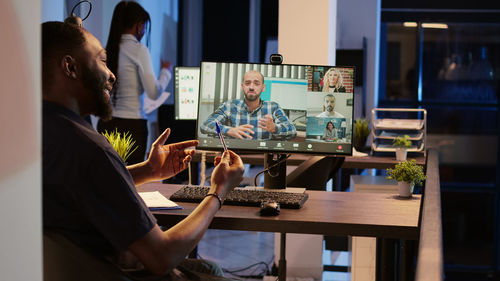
329 108
88 193
251 118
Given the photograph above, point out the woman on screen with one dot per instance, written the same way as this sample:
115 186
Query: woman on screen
130 61
330 132
333 81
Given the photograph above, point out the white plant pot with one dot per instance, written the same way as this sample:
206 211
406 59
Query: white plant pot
401 154
405 189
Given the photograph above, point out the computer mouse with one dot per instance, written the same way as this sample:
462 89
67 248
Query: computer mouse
270 208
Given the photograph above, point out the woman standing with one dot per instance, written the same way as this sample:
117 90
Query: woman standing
130 61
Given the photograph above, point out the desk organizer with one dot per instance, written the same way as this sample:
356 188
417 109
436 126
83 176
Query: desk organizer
388 123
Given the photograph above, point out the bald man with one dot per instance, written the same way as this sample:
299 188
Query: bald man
251 118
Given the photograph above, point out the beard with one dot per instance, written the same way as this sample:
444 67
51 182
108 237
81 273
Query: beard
97 85
329 108
250 97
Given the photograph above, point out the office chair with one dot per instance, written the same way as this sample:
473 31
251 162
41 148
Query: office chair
63 260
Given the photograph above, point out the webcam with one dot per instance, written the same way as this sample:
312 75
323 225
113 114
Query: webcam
276 59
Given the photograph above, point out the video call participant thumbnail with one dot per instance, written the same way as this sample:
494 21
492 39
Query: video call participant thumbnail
329 108
333 81
251 118
330 132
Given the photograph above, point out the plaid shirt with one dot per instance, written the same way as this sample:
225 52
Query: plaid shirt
236 112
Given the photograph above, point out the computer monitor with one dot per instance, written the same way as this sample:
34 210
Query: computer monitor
309 107
187 82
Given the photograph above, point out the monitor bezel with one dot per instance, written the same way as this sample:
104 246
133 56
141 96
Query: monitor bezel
219 147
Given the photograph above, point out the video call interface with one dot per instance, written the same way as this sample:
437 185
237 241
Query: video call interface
302 108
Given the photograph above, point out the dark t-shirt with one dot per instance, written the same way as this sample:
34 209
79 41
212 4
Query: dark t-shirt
88 193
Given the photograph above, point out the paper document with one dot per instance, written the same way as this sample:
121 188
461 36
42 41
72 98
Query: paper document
156 201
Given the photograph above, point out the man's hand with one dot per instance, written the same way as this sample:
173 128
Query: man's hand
241 132
228 173
166 161
267 123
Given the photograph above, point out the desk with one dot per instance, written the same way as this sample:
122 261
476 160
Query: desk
350 162
327 213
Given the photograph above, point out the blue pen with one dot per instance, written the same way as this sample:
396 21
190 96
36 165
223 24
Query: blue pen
220 136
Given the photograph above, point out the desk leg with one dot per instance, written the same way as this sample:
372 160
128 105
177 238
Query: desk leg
407 260
282 262
385 260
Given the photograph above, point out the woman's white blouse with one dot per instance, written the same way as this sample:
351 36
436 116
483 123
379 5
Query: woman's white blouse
136 76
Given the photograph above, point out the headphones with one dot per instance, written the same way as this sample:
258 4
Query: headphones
74 19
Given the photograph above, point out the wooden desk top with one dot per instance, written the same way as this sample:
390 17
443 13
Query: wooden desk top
366 162
328 213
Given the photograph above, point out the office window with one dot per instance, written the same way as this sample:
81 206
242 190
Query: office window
398 57
451 69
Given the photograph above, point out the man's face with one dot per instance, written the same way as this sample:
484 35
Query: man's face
252 85
329 104
97 78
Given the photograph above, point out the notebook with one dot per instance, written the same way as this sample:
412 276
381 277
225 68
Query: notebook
156 201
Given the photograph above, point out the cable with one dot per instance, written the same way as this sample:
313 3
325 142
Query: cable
269 168
298 118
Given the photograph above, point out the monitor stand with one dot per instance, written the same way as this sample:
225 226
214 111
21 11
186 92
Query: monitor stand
276 177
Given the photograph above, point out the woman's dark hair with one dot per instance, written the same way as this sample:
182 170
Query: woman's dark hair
125 15
330 122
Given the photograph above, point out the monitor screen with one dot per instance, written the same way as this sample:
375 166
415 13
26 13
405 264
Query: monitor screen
276 108
187 83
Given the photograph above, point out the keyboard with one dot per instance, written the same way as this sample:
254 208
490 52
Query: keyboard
243 197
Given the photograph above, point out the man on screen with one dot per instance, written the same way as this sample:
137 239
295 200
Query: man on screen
251 118
329 108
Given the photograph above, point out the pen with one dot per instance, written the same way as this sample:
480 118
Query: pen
220 136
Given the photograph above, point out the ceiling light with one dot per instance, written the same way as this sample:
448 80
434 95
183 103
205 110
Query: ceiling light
410 24
435 25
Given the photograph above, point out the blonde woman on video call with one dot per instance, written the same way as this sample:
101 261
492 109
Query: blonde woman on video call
333 81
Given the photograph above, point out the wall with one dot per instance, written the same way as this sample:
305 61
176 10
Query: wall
306 35
53 10
20 168
354 23
306 31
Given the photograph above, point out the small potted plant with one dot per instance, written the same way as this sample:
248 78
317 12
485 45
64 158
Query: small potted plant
361 132
408 174
402 143
123 144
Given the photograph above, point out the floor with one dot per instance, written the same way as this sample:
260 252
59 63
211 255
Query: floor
249 255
